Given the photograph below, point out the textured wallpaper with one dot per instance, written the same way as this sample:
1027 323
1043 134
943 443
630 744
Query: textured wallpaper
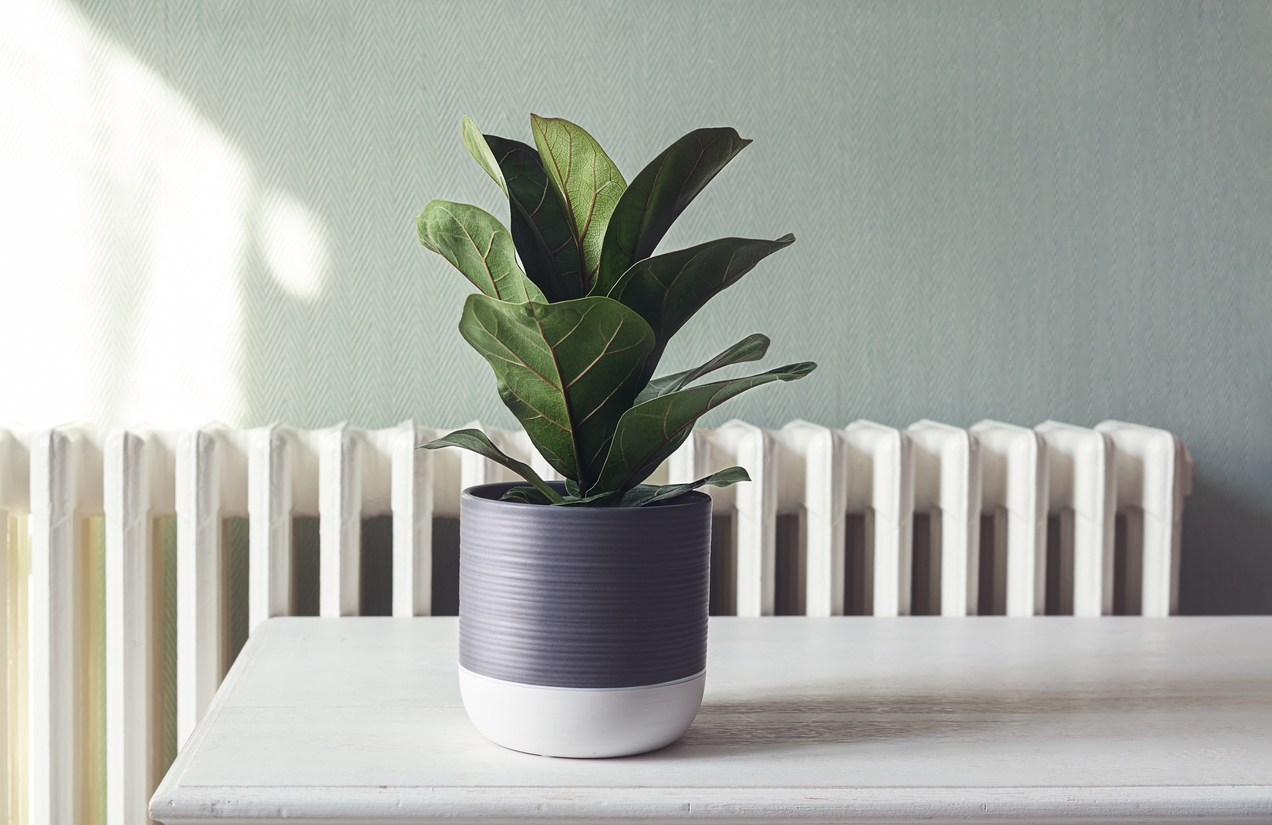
1010 211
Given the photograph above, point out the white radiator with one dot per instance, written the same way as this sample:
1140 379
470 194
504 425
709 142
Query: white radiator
830 514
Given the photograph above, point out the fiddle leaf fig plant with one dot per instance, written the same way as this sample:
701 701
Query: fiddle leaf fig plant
576 310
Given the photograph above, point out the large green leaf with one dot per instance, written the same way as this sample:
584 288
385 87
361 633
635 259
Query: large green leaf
566 370
585 181
750 348
539 228
476 244
668 289
658 195
650 432
477 441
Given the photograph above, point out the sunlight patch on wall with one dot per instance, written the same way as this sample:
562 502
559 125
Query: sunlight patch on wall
126 224
185 357
294 246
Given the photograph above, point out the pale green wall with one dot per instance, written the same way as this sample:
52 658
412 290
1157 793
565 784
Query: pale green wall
1016 211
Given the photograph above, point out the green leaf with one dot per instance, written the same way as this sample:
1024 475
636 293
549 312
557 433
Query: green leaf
585 181
750 348
605 499
567 395
648 433
539 228
477 441
525 494
658 195
475 143
668 289
572 489
476 244
643 494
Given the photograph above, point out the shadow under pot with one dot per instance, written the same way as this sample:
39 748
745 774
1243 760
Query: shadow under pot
582 630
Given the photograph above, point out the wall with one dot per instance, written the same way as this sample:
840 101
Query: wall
1012 211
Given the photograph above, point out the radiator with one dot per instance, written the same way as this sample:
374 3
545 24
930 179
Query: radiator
932 519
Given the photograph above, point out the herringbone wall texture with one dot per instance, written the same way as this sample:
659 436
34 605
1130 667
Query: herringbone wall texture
1016 211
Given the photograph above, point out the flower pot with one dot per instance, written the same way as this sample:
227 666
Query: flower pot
582 630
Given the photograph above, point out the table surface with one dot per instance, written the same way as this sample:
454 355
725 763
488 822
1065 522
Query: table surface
976 719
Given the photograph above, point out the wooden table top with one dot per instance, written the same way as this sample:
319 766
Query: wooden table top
974 719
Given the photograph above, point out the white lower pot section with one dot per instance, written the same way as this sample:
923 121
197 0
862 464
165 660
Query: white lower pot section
581 722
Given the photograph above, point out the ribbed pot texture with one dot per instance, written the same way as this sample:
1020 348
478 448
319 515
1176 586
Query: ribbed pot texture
583 597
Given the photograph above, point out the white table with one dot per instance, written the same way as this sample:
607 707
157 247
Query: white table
978 719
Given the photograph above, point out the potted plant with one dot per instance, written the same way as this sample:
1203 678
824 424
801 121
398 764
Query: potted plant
583 603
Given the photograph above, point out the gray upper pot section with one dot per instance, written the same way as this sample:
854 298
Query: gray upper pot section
583 597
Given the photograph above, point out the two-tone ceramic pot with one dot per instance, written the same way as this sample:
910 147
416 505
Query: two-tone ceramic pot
582 630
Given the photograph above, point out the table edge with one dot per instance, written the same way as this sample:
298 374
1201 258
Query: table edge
1229 803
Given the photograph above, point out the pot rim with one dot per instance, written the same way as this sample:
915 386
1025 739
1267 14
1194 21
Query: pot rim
689 499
